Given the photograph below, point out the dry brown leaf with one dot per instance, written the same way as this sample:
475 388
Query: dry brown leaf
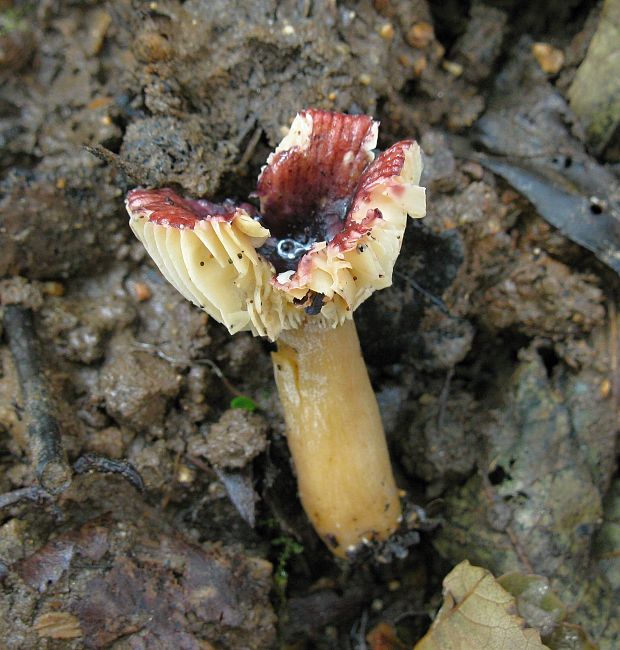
58 625
478 614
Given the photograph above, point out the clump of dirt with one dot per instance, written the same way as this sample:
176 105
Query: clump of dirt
515 300
442 437
233 441
196 123
19 291
136 387
55 227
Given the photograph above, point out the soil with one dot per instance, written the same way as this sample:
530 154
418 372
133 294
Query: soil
494 355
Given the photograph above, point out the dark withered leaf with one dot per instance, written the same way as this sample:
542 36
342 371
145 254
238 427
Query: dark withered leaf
540 460
240 489
530 133
591 222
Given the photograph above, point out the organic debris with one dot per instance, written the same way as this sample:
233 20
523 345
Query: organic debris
513 611
133 577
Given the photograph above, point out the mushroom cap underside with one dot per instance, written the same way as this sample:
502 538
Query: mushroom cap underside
214 254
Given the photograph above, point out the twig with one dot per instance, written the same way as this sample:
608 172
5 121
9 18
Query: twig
149 347
443 398
95 463
357 633
44 436
33 493
438 302
613 351
249 150
199 464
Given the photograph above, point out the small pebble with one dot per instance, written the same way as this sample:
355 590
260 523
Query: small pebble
386 31
151 47
550 59
605 388
420 35
455 69
54 289
99 102
509 196
473 170
185 475
100 20
419 65
141 291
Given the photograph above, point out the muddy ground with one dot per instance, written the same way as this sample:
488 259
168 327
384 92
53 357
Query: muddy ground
494 355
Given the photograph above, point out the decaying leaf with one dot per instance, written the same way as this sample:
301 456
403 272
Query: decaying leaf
535 601
127 578
58 625
598 611
571 637
541 608
527 129
478 613
607 545
589 221
539 504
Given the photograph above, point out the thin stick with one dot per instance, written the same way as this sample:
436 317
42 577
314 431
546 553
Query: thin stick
438 302
249 150
95 463
149 347
33 493
443 398
44 436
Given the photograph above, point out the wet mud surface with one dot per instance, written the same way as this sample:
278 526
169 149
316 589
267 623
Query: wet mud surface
494 355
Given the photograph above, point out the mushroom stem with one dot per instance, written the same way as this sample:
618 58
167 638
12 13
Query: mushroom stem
336 436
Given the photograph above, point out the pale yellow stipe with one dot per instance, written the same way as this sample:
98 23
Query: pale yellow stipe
335 435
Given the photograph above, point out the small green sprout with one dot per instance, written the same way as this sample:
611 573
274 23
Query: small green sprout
242 402
289 548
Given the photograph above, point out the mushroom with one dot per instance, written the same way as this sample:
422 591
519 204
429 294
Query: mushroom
326 236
